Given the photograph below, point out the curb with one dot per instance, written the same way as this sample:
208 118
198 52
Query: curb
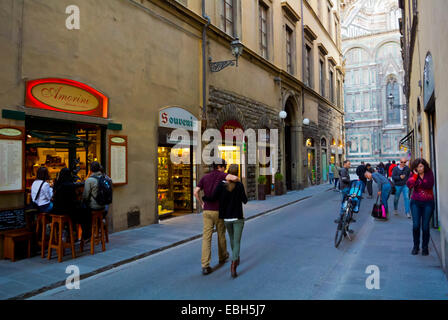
55 285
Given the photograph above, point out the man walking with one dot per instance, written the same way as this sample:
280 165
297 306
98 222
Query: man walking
208 183
336 177
387 168
400 176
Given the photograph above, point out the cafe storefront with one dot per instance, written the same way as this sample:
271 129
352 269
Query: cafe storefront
53 140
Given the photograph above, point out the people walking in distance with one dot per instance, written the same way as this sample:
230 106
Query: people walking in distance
344 178
400 176
208 184
381 169
387 168
231 196
42 191
384 187
331 173
369 183
391 168
422 203
336 170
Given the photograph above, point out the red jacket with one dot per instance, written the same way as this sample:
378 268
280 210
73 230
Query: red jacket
392 166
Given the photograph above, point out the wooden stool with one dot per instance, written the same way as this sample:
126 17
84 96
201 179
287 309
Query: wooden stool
10 243
56 234
98 232
42 220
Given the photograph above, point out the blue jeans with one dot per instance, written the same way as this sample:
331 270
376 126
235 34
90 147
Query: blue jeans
46 208
344 193
385 193
422 212
407 201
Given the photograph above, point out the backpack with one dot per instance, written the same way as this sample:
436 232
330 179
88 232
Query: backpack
104 194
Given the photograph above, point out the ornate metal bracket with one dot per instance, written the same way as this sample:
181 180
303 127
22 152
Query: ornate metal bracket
218 66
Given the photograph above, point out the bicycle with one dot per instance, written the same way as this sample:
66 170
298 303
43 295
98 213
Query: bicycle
342 229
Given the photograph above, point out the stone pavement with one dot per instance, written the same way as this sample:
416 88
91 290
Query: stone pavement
28 277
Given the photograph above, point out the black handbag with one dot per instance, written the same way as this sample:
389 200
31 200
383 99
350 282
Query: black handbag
377 211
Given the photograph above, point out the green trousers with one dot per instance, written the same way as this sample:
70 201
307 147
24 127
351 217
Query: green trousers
235 230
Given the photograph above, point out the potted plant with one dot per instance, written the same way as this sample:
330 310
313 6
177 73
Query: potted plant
278 184
261 187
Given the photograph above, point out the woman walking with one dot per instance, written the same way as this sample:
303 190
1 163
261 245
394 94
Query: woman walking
422 203
231 197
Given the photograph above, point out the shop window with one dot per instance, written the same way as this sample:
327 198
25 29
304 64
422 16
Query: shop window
174 181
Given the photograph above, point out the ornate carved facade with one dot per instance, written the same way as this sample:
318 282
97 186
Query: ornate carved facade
375 107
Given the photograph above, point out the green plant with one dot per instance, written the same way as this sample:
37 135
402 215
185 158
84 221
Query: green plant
262 180
278 176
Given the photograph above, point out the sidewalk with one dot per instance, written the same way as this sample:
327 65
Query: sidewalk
28 277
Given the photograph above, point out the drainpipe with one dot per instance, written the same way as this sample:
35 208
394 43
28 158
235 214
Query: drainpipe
300 144
204 62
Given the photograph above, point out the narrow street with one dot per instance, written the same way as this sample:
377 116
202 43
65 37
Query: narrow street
286 254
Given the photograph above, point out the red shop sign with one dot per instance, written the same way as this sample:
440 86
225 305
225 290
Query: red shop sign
66 96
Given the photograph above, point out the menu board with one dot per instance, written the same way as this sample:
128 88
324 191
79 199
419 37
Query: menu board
12 219
118 159
11 159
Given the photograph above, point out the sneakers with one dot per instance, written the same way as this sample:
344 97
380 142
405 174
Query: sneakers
396 212
414 251
206 270
408 215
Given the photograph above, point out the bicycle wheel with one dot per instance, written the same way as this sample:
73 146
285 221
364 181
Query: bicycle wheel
340 230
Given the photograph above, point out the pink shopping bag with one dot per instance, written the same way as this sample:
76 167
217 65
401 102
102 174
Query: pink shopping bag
383 209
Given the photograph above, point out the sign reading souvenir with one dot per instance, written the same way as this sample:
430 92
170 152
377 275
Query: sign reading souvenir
11 159
177 118
66 96
118 160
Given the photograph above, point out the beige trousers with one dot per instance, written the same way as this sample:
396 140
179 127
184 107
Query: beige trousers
211 218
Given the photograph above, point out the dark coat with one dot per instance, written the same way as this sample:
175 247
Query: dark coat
230 202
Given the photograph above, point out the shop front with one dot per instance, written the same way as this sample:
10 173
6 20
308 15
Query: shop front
54 136
175 166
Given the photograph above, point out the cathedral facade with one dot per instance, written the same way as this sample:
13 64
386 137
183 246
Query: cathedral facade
375 107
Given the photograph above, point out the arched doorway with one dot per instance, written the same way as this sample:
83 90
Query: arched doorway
291 145
324 159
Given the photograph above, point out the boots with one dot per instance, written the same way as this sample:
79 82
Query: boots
233 269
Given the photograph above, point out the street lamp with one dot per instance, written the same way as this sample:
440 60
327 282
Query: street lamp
306 121
283 115
237 50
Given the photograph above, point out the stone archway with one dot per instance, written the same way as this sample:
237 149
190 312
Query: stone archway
292 145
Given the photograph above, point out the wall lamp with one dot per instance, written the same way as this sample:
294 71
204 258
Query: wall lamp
237 50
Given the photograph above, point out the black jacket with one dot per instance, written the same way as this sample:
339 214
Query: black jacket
230 202
396 173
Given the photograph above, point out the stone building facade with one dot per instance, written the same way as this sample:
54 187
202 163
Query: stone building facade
151 62
375 122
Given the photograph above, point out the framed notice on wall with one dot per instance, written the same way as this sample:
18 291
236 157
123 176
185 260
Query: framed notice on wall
12 162
118 159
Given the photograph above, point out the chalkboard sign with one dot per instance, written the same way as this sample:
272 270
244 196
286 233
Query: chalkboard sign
12 219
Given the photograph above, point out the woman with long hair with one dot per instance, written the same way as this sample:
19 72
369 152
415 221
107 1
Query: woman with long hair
231 197
66 201
41 190
422 203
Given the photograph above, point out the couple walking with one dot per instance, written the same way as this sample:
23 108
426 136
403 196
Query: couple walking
222 205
